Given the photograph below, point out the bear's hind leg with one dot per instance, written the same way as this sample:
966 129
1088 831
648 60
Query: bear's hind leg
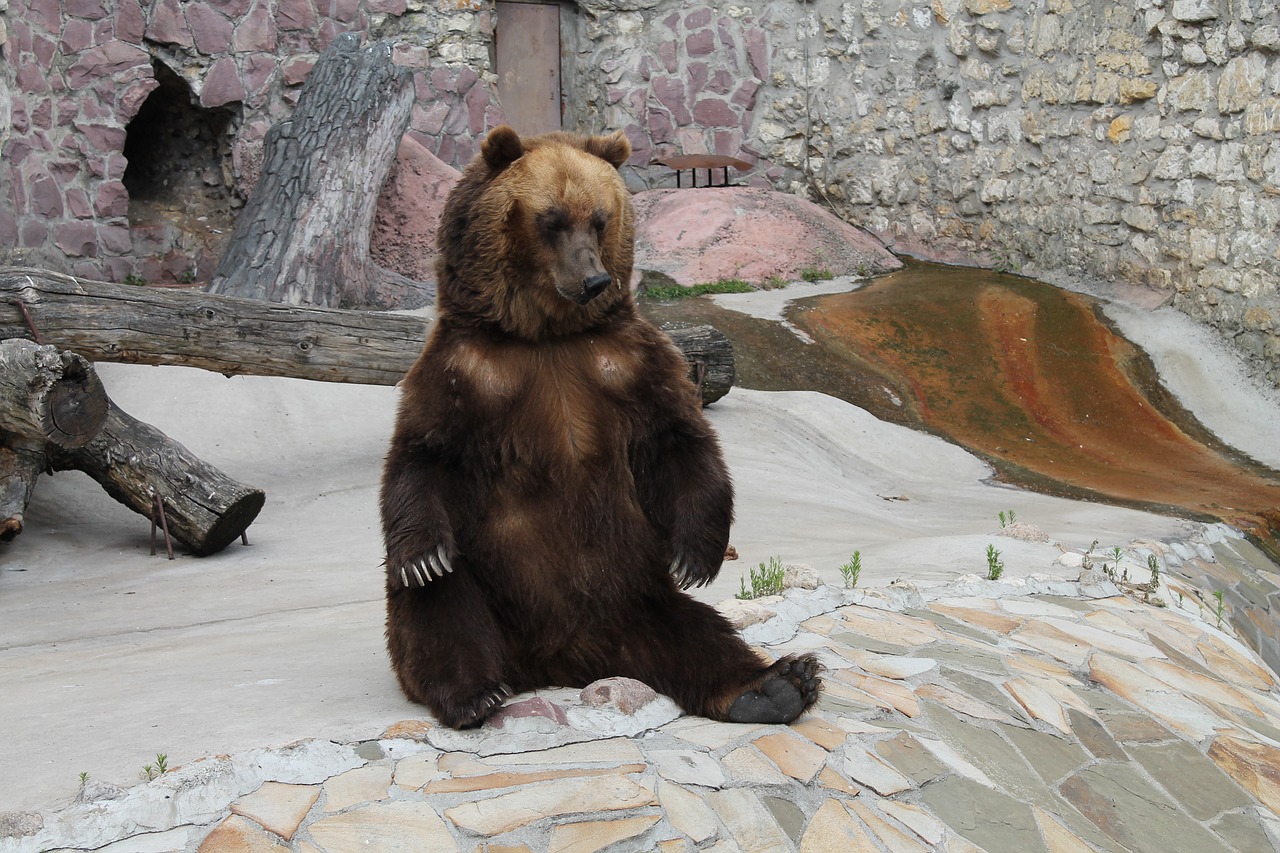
787 689
447 650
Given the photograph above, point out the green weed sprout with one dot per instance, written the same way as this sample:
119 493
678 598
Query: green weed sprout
995 568
851 570
1222 609
766 581
1154 565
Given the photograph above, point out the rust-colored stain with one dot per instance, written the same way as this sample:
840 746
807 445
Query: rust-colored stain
1030 377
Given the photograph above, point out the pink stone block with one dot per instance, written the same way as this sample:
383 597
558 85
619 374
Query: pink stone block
112 200
210 30
758 53
297 15
34 233
745 96
466 79
8 227
728 143
345 11
477 102
700 43
169 25
257 32
134 96
233 9
32 78
670 93
411 56
111 60
536 707
671 20
697 73
430 119
713 112
44 196
295 70
42 115
76 36
115 240
222 84
390 7
130 23
721 82
661 128
258 71
78 203
91 10
77 239
45 15
102 138
698 18
116 269
667 53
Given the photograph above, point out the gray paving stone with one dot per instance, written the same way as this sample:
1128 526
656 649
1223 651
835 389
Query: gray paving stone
1242 831
1101 700
910 758
788 815
1190 778
988 818
1050 756
859 641
1095 736
968 657
954 626
1134 728
991 753
1076 604
981 689
1130 811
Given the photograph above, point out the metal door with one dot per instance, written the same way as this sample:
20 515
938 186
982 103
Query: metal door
527 54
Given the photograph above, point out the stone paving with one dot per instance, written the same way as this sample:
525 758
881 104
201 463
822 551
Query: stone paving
1030 715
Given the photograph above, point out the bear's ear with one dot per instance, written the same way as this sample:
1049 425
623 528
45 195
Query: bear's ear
501 147
614 148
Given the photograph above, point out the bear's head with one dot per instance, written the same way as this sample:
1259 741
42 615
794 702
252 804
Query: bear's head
537 236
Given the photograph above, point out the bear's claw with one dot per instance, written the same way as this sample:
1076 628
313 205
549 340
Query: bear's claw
479 708
423 570
685 573
790 687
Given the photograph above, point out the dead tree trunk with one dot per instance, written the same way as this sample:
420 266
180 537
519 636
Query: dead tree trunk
204 509
20 465
145 325
49 396
303 236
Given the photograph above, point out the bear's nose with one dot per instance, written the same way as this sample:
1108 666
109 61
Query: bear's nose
595 285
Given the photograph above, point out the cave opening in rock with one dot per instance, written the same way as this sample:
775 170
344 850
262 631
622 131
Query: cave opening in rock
182 198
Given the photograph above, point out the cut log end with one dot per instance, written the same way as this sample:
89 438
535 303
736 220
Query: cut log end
233 521
77 406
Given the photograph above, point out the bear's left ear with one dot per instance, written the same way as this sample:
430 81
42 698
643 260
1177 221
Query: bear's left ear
501 147
614 148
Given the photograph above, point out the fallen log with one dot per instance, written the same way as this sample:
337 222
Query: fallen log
229 335
136 463
20 465
48 396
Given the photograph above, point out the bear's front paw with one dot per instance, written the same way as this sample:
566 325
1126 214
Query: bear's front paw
790 686
471 712
422 570
689 571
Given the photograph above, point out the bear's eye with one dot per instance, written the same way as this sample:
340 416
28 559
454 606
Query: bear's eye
552 223
599 221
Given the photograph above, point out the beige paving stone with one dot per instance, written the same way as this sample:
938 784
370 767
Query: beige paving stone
1105 640
462 764
833 830
674 845
534 802
277 807
949 756
833 781
687 766
748 821
709 733
1057 837
175 840
747 764
889 627
1034 607
1105 620
502 848
894 839
494 781
393 826
1234 667
991 621
834 688
1038 702
822 624
916 819
413 772
724 845
687 811
617 750
361 785
1040 666
891 666
590 836
238 834
407 729
1052 641
1255 766
891 694
304 847
958 844
798 758
1201 686
1165 703
819 731
871 771
961 703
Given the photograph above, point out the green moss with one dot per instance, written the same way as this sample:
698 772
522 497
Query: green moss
676 291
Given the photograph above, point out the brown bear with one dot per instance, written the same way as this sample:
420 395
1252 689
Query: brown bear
552 484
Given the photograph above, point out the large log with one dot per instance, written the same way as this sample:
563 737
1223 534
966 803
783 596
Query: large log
48 396
20 465
144 325
303 236
135 463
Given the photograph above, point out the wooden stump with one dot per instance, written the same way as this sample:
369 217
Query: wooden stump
49 396
134 462
303 236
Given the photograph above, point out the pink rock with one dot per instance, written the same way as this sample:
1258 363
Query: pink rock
713 112
670 93
78 203
258 71
77 239
624 694
110 60
430 120
697 73
233 9
45 197
112 200
721 82
34 233
667 53
345 11
703 235
699 18
210 29
535 707
390 7
168 24
32 78
758 53
700 43
296 15
42 115
91 10
101 137
729 143
222 84
408 214
134 96
745 96
295 70
45 50
257 32
115 239
8 227
130 23
44 14
477 102
76 36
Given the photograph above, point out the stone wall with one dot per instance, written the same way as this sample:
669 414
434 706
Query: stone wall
1134 141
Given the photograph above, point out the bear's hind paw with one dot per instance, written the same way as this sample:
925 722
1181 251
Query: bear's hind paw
789 688
472 712
423 570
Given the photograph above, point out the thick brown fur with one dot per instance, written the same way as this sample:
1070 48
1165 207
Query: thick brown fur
552 483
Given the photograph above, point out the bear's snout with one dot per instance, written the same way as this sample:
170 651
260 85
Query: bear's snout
594 285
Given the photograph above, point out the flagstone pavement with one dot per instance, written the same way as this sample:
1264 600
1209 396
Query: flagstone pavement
1031 715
